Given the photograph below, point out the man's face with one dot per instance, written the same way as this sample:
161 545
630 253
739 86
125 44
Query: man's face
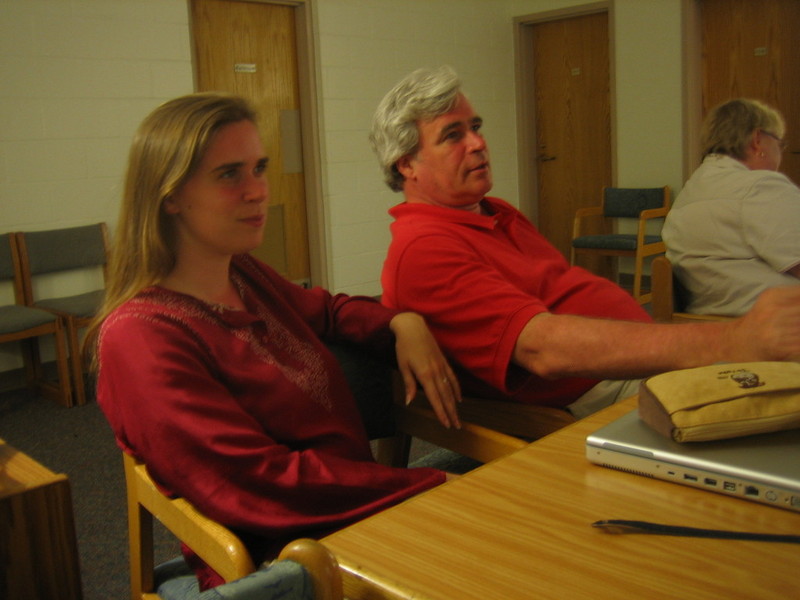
451 167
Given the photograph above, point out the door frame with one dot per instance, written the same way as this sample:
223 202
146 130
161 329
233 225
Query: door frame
527 165
691 25
310 102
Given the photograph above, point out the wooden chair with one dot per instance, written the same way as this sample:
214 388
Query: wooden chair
59 250
25 324
669 297
217 545
370 378
490 429
642 205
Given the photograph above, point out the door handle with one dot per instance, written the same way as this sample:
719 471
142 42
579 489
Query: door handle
546 158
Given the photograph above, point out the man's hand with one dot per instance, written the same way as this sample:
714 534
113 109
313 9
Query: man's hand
771 330
420 359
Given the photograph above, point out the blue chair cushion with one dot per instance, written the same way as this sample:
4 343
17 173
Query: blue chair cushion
282 580
616 241
629 202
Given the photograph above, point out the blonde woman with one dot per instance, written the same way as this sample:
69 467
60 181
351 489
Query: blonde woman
212 367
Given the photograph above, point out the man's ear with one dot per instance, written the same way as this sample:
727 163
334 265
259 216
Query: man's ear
405 167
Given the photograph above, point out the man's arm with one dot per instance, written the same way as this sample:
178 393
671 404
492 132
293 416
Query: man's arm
555 346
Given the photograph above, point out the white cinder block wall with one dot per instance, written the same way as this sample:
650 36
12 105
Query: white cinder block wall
77 76
365 48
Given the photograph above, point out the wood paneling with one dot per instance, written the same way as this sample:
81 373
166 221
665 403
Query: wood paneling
750 49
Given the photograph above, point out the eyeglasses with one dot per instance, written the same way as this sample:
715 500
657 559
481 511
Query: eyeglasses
781 142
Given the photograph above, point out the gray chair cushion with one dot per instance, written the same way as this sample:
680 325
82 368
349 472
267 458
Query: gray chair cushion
284 580
64 249
83 305
14 318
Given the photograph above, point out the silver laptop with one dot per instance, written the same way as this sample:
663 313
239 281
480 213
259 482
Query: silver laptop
763 468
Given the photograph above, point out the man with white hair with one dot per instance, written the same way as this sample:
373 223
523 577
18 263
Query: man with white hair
515 317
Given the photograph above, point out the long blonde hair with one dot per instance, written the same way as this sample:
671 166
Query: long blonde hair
166 150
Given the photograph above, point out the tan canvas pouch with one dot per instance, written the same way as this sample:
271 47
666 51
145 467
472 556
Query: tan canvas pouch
722 401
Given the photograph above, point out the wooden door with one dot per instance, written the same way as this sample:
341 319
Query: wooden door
250 49
573 122
750 49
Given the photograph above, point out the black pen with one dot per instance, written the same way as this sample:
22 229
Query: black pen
623 526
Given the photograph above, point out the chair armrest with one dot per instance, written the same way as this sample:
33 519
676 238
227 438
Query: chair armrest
693 318
214 543
653 213
489 428
644 217
525 421
589 211
474 441
583 213
320 563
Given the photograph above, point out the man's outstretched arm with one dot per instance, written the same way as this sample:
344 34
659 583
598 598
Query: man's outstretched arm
555 346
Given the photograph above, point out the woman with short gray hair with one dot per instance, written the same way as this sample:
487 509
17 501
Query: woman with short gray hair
732 232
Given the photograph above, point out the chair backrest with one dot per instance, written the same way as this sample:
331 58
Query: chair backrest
662 285
7 267
57 250
670 297
371 382
627 203
64 249
10 268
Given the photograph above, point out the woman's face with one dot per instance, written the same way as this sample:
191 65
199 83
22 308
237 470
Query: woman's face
221 209
773 149
765 151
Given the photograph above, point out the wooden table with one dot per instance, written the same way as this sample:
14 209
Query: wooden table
38 548
520 528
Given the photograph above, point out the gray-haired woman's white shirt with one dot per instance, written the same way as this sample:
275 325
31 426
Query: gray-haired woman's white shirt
732 233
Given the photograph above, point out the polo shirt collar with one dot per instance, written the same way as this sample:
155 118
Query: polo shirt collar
452 215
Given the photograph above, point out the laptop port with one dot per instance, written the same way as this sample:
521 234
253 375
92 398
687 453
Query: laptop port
689 477
709 481
729 486
750 490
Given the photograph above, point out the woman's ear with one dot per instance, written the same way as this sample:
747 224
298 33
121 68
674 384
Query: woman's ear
756 143
170 206
753 151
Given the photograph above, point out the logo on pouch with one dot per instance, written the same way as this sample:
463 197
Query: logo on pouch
747 379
